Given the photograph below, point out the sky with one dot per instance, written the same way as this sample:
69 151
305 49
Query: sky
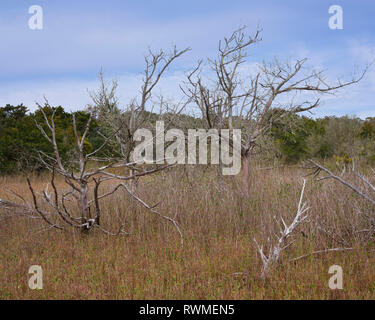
78 38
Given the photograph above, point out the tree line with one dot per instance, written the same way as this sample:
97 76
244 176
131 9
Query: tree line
290 140
22 143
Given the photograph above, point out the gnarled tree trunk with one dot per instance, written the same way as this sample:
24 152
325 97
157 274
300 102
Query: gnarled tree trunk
245 175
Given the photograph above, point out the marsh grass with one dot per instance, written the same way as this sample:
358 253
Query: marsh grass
218 259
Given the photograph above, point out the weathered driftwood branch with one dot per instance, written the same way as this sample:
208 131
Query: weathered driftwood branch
274 250
317 168
321 251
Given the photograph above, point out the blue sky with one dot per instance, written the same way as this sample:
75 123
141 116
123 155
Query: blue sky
79 37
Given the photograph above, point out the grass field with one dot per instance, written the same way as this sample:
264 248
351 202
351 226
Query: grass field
218 260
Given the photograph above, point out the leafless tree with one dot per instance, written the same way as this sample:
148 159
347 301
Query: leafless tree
229 97
139 111
83 183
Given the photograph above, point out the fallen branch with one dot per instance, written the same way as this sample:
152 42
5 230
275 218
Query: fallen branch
275 250
320 251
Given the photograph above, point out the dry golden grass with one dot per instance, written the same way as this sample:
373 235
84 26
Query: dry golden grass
218 227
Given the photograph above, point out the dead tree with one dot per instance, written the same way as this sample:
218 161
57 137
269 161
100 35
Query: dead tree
233 99
83 184
140 110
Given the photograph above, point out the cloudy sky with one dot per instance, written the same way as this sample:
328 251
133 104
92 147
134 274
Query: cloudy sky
79 37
